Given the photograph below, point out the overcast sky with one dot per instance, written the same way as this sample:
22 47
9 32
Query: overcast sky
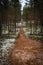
23 3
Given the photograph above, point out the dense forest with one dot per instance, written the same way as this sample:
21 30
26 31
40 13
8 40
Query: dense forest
33 11
21 32
10 13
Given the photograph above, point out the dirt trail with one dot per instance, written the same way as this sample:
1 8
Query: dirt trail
26 51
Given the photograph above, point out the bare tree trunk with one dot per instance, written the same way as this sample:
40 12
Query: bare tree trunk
31 15
0 21
15 26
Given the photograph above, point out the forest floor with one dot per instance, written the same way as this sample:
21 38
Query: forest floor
26 51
